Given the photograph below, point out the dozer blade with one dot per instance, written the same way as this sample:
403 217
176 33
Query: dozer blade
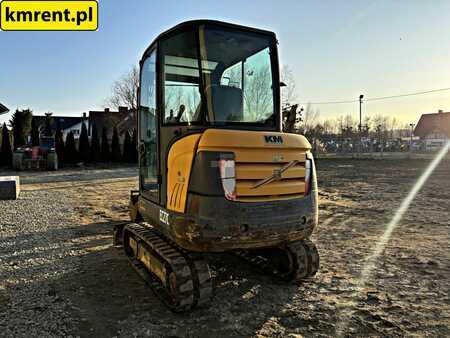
180 279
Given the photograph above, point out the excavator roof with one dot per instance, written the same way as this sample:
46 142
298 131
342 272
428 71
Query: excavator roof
192 24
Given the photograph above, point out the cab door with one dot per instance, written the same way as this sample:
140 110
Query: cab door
148 132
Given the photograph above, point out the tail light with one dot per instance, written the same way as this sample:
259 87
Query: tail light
228 177
308 176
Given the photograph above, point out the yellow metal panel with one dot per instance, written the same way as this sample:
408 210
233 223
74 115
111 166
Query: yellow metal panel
133 246
245 188
179 164
251 139
152 263
258 155
259 171
257 159
268 198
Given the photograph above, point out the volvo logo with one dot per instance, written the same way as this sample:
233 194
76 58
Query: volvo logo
276 174
273 139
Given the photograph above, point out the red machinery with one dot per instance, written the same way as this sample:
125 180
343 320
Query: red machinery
42 157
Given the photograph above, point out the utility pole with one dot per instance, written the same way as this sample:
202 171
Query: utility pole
379 145
360 122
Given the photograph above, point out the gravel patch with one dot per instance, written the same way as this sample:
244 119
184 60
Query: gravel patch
36 250
59 274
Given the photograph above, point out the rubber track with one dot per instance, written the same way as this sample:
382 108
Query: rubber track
194 282
304 256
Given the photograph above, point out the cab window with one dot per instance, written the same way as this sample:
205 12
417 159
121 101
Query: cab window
181 79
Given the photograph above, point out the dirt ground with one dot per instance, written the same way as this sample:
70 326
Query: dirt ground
408 293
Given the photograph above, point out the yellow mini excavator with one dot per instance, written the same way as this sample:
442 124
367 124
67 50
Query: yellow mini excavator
216 172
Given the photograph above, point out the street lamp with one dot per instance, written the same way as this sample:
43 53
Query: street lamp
411 136
360 111
360 122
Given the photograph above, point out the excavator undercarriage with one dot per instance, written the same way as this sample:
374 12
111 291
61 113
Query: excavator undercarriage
182 279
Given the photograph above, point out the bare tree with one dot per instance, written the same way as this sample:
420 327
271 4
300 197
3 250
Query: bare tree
329 127
288 93
350 122
124 90
393 125
309 119
186 95
258 99
367 123
381 122
381 128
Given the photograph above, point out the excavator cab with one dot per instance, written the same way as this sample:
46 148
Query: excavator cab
216 172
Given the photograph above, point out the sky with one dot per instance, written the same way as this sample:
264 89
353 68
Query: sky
336 50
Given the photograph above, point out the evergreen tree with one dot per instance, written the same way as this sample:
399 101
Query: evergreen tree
115 147
21 124
105 153
127 156
83 145
59 145
95 145
5 150
70 149
135 146
48 130
34 132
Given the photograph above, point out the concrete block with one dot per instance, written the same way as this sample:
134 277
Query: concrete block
9 187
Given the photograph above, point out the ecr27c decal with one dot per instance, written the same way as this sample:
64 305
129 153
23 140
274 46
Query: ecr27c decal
164 217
